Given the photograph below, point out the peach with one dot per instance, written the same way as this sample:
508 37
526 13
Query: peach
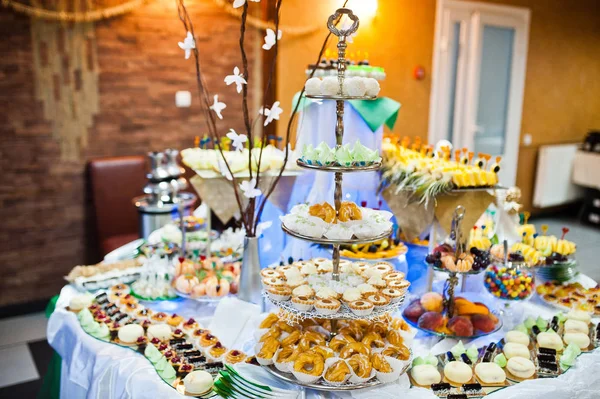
432 302
414 310
431 320
199 290
460 325
483 322
185 267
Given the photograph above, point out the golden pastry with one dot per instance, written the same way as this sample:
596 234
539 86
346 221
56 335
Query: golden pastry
324 351
373 340
288 354
310 339
339 341
199 333
349 211
291 339
269 321
361 365
400 324
398 352
268 349
323 211
380 364
337 372
395 338
310 363
174 320
362 324
274 332
207 340
354 348
352 331
283 326
217 350
379 328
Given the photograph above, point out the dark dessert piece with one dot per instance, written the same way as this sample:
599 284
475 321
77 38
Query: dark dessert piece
457 396
471 388
549 351
102 301
141 343
101 295
119 316
196 361
465 358
113 311
184 347
252 360
450 357
192 353
536 330
175 341
491 347
110 305
546 357
440 389
114 330
548 367
213 366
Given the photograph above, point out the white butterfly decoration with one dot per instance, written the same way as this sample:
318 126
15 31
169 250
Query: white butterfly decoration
271 114
270 38
262 227
223 169
237 140
239 3
188 45
218 106
249 188
237 79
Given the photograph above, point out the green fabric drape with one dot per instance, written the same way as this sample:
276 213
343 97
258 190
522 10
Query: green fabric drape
51 385
375 113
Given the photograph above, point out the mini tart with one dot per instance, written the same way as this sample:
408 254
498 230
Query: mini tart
200 332
273 282
178 333
325 267
280 294
361 307
176 361
392 294
327 306
319 261
295 283
127 299
361 267
234 356
394 276
308 269
190 325
160 317
327 293
303 290
207 340
303 303
378 300
377 282
282 269
144 313
367 290
301 263
351 295
384 268
269 273
119 288
217 350
400 285
174 320
130 308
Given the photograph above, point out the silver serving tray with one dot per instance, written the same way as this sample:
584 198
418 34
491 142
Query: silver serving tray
340 97
342 169
323 240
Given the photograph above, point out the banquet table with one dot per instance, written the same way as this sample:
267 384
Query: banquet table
95 369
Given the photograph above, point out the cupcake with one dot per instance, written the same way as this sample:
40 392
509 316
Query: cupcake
308 269
279 294
361 307
174 320
327 293
367 289
393 294
234 356
400 285
303 290
396 276
303 303
327 306
378 300
269 273
377 282
351 295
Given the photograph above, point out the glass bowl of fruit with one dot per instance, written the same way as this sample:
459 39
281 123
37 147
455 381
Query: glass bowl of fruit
385 249
444 259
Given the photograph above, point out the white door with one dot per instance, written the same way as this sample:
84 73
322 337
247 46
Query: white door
480 52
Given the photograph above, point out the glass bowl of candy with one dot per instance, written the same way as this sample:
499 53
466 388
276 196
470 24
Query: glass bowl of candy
511 281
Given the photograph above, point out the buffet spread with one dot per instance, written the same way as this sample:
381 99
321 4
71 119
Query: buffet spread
347 321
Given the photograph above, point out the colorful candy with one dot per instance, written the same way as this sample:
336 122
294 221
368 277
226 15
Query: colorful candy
511 283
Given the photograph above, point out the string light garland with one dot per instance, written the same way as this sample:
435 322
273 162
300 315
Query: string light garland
66 16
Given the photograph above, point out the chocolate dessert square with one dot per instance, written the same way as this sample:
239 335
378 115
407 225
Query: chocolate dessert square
548 351
441 388
472 388
457 396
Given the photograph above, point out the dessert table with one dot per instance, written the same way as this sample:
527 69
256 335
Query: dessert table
95 369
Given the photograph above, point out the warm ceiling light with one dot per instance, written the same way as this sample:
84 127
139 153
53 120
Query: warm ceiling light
364 9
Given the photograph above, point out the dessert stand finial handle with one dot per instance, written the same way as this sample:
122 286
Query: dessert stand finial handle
343 33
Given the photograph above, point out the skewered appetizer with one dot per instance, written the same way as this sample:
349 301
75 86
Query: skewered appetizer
428 172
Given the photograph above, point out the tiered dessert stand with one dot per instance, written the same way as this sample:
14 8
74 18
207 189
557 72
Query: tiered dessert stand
344 313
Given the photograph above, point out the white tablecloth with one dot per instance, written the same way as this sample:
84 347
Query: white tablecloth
94 369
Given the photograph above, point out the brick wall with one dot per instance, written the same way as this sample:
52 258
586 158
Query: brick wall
45 213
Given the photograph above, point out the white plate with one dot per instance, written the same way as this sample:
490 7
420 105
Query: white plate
127 251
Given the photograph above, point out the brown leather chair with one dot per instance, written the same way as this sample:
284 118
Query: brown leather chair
115 181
